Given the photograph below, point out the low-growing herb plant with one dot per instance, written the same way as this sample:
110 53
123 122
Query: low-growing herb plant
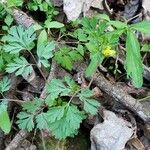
100 36
62 118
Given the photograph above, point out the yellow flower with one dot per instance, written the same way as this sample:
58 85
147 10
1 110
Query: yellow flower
108 52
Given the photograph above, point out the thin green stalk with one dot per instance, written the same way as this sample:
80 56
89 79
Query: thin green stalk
145 98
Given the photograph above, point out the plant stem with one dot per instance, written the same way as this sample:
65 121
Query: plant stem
43 141
37 65
13 100
73 96
145 98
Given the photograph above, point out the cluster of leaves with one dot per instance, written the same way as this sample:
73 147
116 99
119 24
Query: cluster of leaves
43 6
102 43
62 117
67 56
20 40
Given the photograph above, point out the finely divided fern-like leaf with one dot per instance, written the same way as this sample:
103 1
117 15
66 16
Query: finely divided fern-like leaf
25 121
5 84
20 67
42 121
45 52
32 106
19 39
67 124
66 57
56 88
90 105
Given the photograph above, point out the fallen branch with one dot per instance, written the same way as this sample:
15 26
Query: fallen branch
22 18
17 140
121 96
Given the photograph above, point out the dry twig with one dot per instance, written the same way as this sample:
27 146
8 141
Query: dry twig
121 96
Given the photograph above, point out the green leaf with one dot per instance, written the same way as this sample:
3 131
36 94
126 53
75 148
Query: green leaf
20 67
66 57
118 24
68 124
55 113
49 100
8 20
59 87
54 24
5 123
42 121
71 84
42 38
81 35
143 26
56 88
145 48
19 39
90 105
25 121
5 84
45 52
80 49
134 65
103 16
12 3
96 60
32 106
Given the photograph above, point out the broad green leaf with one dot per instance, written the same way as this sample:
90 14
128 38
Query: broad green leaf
20 67
25 121
5 123
90 105
68 124
89 24
134 65
19 39
143 26
5 84
54 24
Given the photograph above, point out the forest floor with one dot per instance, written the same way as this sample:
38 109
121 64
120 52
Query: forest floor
74 74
